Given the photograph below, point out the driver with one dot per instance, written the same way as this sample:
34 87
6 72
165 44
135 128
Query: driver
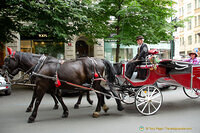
139 58
193 58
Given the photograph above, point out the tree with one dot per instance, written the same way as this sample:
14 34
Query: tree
139 17
60 19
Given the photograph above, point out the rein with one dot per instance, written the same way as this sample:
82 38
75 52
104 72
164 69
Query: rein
76 85
22 76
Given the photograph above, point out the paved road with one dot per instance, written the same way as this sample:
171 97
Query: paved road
177 114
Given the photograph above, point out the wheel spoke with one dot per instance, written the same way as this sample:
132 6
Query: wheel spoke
153 92
132 94
141 103
149 108
153 105
191 93
144 107
156 96
155 101
140 99
148 100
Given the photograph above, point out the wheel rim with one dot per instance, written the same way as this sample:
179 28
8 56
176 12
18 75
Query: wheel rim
148 100
191 93
127 97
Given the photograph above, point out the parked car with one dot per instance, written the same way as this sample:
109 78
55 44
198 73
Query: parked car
5 87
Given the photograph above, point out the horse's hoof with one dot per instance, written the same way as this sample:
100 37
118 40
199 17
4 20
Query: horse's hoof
65 115
31 119
55 107
91 102
105 108
95 115
76 106
120 108
28 109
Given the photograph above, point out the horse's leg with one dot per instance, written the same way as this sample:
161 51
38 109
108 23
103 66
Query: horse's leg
39 95
65 109
76 106
88 98
55 100
32 101
98 108
103 104
119 104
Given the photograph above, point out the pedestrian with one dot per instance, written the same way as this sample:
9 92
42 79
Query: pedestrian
193 58
139 58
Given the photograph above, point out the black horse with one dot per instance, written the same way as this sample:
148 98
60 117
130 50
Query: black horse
75 71
33 60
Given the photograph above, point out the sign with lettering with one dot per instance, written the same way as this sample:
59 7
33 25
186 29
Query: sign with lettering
42 35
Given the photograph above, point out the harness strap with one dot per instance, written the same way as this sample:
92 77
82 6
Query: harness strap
57 82
40 63
96 72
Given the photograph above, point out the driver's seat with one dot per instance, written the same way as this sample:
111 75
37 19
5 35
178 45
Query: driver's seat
142 73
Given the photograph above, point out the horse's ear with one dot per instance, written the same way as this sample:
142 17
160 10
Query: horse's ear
9 50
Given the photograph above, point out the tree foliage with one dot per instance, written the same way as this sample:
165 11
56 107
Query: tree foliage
149 18
60 19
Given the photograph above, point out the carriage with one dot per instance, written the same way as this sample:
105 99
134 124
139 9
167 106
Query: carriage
145 93
140 90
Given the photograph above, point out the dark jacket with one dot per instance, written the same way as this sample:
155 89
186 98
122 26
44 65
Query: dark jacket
142 52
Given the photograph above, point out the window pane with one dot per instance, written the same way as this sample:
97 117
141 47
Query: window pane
195 38
199 3
195 21
189 7
198 20
189 25
189 40
196 4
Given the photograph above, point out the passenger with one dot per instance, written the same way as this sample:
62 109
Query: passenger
193 58
139 58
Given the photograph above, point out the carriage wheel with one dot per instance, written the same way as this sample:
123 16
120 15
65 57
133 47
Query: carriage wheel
148 100
127 97
191 93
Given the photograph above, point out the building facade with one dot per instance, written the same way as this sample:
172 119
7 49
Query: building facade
128 52
188 38
77 47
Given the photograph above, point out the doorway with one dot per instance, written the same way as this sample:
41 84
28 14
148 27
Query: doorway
82 49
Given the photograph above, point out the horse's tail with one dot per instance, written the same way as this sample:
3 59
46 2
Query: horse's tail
110 71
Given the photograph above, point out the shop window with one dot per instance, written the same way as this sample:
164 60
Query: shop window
49 48
26 46
55 49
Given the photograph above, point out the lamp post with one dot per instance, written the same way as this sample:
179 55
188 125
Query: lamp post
172 49
172 41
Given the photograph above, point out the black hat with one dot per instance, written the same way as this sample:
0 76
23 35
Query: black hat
139 37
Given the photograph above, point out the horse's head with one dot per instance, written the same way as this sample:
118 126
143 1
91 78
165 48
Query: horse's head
11 63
